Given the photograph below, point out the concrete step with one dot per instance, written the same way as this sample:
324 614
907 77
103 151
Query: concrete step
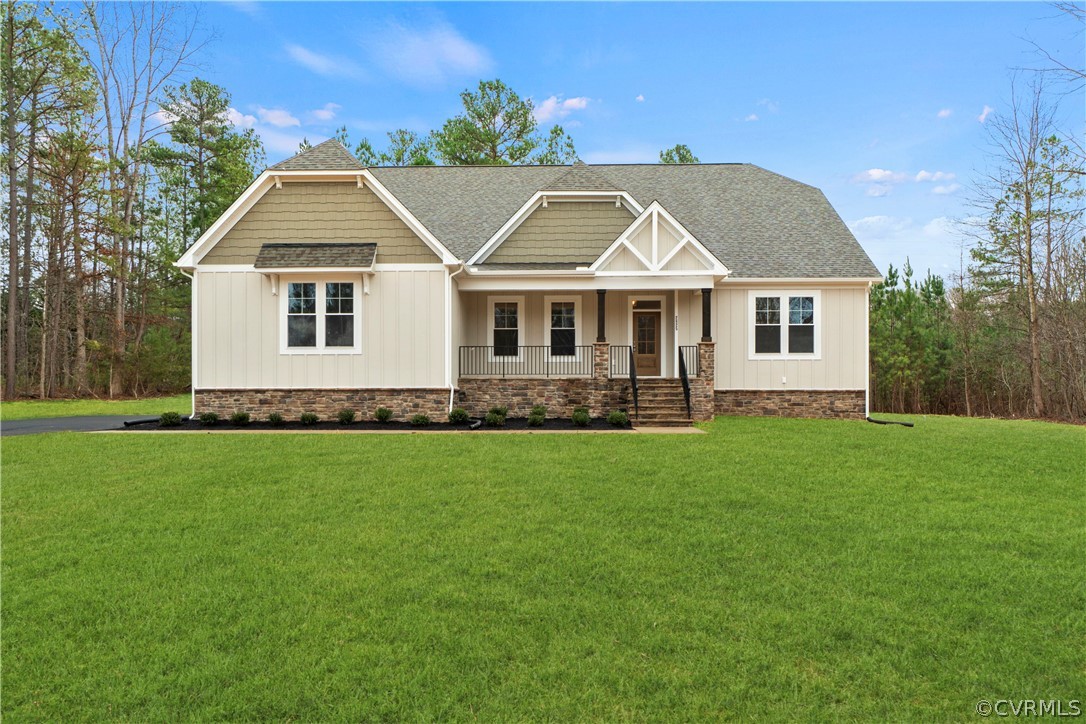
664 422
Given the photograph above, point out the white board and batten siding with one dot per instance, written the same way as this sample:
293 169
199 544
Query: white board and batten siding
842 364
402 343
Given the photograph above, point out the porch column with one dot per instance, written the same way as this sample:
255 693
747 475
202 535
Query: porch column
601 315
706 315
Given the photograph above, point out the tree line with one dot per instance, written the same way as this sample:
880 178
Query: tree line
1007 336
117 158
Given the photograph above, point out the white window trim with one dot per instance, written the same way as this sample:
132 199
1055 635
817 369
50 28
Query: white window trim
490 302
320 281
577 322
783 296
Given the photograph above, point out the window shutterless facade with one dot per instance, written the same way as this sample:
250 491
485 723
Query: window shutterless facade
784 325
562 325
320 317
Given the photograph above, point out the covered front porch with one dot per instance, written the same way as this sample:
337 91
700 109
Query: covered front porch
606 349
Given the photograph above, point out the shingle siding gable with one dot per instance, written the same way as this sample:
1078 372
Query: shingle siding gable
564 232
320 212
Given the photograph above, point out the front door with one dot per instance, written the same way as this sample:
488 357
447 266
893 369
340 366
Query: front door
647 343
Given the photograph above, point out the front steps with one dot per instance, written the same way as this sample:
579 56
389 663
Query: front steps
661 404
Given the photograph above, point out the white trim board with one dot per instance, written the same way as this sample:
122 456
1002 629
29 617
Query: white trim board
654 263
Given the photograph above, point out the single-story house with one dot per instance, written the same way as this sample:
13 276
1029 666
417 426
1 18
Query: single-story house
674 291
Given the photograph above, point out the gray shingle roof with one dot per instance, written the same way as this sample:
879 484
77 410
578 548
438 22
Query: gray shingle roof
758 223
287 256
328 156
580 178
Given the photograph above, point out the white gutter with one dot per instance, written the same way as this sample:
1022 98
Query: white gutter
448 333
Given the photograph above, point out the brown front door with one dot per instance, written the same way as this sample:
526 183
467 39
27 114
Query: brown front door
647 343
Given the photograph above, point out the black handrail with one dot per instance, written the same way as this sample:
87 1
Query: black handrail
686 383
633 382
525 361
689 353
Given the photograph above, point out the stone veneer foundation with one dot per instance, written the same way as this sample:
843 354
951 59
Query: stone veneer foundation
848 404
326 403
561 396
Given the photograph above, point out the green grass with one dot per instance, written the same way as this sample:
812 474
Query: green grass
25 409
770 569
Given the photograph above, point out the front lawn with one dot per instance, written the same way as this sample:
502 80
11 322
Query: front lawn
770 569
147 406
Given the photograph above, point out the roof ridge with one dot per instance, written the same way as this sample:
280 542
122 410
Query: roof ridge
328 155
580 177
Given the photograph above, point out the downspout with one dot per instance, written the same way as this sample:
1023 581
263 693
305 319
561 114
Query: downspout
192 335
448 333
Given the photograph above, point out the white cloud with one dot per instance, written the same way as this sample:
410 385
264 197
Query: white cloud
277 117
934 244
323 114
771 106
934 176
323 64
554 108
163 118
944 113
428 57
249 7
751 117
947 189
985 113
878 190
238 119
640 98
878 175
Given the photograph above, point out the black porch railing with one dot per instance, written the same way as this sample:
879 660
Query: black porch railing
525 361
688 353
685 379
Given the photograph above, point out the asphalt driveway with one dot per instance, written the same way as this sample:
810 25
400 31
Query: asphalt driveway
89 423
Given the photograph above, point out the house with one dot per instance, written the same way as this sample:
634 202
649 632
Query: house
674 291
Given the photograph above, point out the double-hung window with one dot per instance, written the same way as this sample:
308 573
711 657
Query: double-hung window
321 316
506 323
784 325
562 328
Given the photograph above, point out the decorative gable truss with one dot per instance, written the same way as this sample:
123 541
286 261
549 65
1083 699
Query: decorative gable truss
656 244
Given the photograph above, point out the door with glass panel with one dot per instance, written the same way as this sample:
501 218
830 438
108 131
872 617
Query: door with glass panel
646 330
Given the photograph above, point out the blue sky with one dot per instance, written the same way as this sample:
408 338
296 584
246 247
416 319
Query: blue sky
881 105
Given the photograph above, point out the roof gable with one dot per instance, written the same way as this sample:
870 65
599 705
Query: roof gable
656 243
330 155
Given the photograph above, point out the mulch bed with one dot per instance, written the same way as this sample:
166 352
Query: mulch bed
512 423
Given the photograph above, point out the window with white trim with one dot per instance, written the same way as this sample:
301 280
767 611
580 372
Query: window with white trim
784 324
321 316
506 329
563 330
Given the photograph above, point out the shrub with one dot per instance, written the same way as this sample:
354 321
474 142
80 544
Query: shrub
239 418
383 414
501 411
493 419
581 409
276 419
618 418
539 410
208 419
535 420
458 415
580 417
420 420
345 416
170 419
309 418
